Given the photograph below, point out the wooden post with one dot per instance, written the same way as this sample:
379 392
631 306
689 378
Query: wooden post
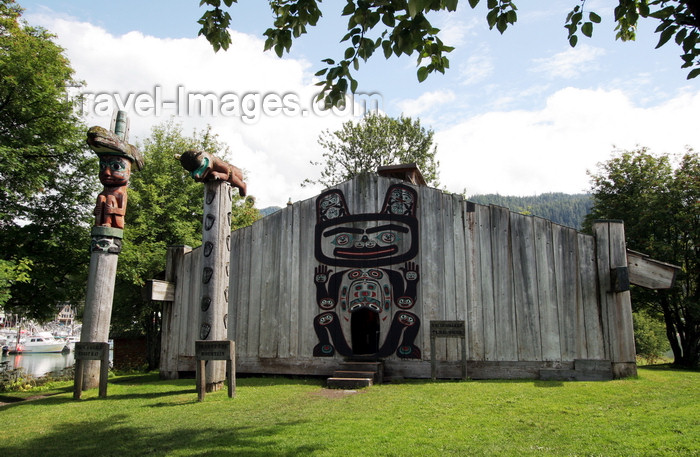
616 305
206 352
78 379
201 379
95 352
116 158
216 251
106 245
171 313
447 329
218 177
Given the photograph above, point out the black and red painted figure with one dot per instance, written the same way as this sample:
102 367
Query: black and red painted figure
375 281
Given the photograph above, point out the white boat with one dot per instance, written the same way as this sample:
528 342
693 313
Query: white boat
41 342
70 342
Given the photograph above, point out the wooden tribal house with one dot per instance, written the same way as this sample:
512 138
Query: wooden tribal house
362 271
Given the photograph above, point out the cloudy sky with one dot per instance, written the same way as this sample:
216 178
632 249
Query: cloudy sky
516 114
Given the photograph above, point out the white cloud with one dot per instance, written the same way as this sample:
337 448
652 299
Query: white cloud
570 63
509 152
455 27
549 150
426 102
478 67
275 148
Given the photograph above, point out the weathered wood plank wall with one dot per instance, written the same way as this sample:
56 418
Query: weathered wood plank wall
527 288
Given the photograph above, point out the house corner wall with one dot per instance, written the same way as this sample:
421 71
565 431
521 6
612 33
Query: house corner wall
615 301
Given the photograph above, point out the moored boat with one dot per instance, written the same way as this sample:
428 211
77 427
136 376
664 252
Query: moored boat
41 342
70 342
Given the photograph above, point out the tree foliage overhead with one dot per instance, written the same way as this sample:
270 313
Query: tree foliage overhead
12 272
48 178
375 141
402 27
660 206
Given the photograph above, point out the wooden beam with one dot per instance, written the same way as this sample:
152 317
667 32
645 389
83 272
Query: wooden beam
650 273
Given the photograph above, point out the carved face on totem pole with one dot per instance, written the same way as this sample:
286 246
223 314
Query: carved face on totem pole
364 300
116 157
115 171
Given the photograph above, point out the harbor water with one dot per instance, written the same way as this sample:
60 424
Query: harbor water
40 364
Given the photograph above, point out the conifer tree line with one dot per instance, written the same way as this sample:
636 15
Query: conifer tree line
565 209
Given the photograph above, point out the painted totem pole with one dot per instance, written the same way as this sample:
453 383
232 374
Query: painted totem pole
218 178
116 159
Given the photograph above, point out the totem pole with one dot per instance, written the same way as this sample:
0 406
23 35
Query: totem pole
218 177
116 158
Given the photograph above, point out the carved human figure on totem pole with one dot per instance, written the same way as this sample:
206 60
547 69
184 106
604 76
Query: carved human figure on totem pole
116 157
205 167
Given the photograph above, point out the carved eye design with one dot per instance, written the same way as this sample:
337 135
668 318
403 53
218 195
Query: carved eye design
330 200
354 274
342 239
117 165
327 303
387 237
375 274
325 319
405 302
113 164
406 319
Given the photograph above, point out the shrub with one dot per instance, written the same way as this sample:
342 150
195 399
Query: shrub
17 379
649 337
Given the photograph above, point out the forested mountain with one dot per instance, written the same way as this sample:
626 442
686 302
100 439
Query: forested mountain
269 210
564 209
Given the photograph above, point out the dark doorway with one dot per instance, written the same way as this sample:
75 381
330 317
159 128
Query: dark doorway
365 331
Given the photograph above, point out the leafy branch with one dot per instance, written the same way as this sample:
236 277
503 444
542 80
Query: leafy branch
680 19
401 27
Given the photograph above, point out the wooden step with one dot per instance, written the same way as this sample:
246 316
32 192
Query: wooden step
354 374
348 383
365 366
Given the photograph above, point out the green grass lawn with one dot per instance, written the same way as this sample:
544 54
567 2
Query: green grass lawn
656 414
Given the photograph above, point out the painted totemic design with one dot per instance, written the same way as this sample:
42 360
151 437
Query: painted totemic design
366 281
116 158
213 171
